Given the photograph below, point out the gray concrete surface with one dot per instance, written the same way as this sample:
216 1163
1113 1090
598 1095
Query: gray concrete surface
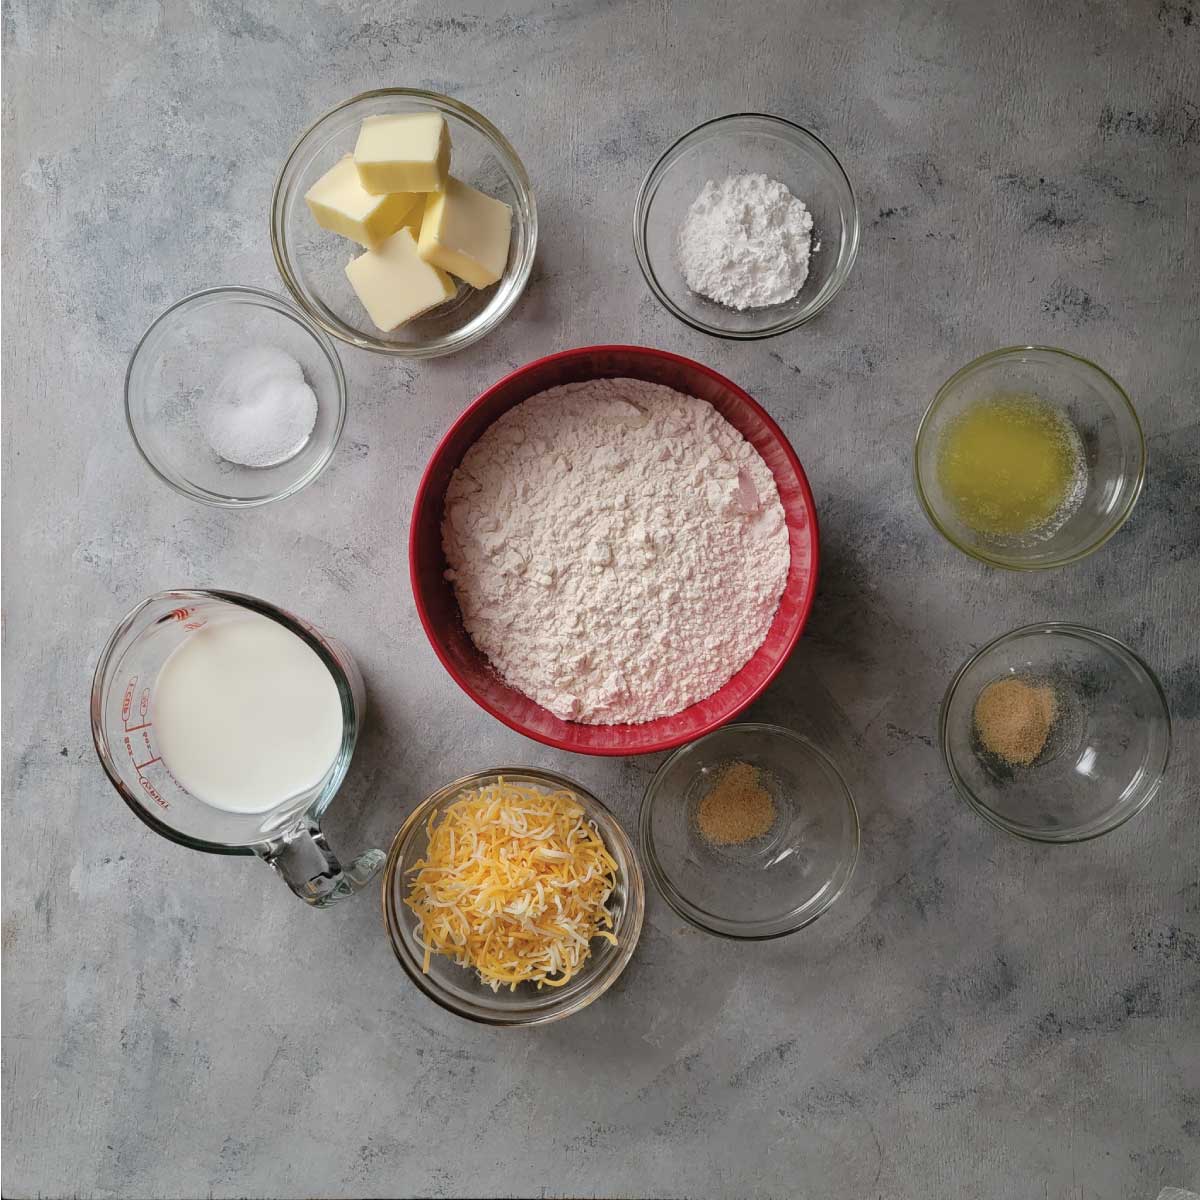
977 1017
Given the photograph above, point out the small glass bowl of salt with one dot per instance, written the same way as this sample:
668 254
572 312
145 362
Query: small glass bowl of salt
235 398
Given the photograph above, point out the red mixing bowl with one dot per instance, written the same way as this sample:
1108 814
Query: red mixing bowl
438 609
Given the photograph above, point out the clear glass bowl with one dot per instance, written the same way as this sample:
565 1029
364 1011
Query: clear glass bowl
1108 426
746 143
1108 747
768 886
457 988
179 362
312 261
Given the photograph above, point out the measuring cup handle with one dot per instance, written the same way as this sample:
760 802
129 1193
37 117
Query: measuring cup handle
308 866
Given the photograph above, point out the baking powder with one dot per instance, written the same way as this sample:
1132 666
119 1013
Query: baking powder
745 242
618 550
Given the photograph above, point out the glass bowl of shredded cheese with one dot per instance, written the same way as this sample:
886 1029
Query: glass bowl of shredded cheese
513 897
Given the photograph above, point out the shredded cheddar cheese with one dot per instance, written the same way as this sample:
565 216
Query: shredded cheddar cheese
513 884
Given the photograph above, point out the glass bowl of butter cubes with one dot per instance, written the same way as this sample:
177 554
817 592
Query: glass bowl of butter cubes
404 222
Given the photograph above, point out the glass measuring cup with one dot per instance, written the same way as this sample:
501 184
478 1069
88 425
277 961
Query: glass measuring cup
288 836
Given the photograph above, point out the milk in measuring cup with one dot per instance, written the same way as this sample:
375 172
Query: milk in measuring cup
246 714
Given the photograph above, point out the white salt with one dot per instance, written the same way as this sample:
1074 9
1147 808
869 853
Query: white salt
262 411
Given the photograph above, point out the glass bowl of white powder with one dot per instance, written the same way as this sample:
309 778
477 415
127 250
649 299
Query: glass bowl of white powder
746 227
235 398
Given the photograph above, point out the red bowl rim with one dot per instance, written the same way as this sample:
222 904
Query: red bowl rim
668 743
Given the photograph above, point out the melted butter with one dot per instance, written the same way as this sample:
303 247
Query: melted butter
1012 466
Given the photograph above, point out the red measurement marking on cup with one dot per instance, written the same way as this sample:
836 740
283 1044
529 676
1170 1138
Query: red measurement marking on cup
133 751
127 706
152 792
182 614
143 782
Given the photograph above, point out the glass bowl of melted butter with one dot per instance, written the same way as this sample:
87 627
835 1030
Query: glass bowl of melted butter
1029 458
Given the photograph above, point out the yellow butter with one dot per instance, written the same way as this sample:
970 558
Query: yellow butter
466 233
408 152
339 202
395 284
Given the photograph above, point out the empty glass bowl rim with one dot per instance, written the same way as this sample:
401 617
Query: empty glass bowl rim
1011 564
391 886
241 294
517 280
848 250
752 931
1054 628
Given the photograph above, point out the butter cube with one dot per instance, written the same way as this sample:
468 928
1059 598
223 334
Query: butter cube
395 284
338 201
466 233
409 152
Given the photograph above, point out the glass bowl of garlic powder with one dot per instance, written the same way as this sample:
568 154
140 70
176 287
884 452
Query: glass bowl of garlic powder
1056 733
750 832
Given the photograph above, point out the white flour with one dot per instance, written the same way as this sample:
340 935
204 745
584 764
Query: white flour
617 548
745 242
